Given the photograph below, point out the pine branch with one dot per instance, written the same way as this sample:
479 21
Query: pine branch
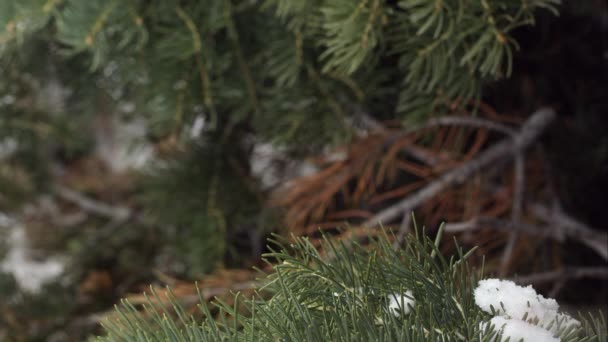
353 297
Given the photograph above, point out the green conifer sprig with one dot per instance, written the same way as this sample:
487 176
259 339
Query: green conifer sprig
308 297
449 49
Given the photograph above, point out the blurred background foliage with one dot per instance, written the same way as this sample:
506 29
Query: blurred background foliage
163 141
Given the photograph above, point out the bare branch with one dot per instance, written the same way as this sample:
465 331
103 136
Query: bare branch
518 198
565 273
508 147
407 219
92 206
596 240
502 225
471 122
566 224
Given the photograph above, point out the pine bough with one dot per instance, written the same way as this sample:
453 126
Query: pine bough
364 293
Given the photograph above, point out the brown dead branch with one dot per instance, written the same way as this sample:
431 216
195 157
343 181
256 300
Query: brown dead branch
507 148
398 192
365 175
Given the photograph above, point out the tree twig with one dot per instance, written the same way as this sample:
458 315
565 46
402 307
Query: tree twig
502 225
92 206
567 225
518 197
531 129
403 229
593 238
565 273
471 122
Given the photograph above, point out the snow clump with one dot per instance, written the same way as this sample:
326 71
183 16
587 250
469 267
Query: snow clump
517 330
401 303
520 312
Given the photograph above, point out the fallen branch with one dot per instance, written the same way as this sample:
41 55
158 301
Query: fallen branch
403 229
517 205
116 214
596 240
502 225
531 129
91 205
470 122
565 273
565 224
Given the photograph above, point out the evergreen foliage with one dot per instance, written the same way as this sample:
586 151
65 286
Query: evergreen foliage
345 297
295 73
201 211
233 61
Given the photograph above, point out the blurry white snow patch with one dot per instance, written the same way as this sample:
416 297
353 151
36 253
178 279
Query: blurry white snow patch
5 220
517 329
335 156
197 127
126 107
122 145
29 274
273 167
7 100
399 303
8 146
51 96
261 160
513 302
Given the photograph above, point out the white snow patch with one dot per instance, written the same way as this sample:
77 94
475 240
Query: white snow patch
261 160
197 127
5 220
8 147
271 165
51 96
7 100
306 169
513 303
29 274
512 300
122 145
517 329
400 303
